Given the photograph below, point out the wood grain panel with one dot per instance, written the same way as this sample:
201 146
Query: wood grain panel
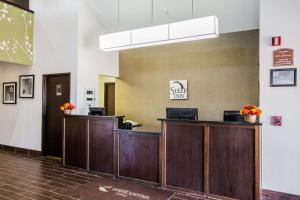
101 146
185 156
206 159
257 162
232 162
76 142
139 156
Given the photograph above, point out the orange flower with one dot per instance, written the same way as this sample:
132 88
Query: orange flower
72 106
67 106
251 110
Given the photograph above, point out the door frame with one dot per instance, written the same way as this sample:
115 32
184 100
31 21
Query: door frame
105 93
44 105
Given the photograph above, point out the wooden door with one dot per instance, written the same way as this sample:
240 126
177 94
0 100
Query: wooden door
109 102
56 92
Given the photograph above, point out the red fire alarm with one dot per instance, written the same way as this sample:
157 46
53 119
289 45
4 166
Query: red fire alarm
277 120
276 41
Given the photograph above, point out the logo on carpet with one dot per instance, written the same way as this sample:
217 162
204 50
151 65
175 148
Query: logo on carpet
122 192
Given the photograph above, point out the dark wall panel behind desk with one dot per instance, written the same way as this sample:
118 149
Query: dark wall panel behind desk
75 145
232 162
101 145
139 157
185 156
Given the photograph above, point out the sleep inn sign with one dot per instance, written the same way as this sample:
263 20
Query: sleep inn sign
178 90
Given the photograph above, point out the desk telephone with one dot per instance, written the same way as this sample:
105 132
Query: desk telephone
129 124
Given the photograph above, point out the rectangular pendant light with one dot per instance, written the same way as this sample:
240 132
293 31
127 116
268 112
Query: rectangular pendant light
115 40
188 30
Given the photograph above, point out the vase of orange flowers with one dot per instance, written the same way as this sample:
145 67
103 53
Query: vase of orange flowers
250 113
67 108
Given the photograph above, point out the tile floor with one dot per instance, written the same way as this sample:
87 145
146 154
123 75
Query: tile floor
39 178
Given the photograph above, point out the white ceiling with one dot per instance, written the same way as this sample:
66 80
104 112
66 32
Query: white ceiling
118 15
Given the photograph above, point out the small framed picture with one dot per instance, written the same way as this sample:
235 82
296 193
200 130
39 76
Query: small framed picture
26 86
284 77
10 93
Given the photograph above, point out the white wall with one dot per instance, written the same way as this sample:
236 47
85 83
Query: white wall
281 145
91 61
55 51
65 40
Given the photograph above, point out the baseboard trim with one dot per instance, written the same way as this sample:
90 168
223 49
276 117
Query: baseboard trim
18 150
273 195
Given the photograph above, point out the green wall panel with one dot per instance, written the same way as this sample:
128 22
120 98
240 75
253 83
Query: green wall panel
16 35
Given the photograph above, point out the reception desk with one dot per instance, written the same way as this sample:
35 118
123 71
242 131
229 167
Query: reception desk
216 159
212 159
138 153
88 142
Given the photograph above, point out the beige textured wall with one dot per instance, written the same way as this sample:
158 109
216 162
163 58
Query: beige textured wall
222 75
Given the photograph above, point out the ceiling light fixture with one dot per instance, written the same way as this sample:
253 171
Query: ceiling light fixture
188 30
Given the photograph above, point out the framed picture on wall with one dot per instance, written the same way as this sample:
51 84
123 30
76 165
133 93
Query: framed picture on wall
26 86
10 93
284 77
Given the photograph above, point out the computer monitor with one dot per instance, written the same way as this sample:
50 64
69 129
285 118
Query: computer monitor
97 111
182 113
233 116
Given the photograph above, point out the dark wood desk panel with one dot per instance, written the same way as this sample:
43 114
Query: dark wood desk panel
139 156
89 142
232 162
185 155
75 147
101 145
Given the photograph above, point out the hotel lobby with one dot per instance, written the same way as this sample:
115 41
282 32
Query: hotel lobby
149 100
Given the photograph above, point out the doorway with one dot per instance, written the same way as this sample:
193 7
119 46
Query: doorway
109 98
56 92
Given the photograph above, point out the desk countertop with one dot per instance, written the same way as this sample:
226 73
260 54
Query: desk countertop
214 122
141 130
93 116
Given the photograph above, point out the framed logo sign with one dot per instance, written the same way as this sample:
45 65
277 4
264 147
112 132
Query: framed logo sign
178 90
